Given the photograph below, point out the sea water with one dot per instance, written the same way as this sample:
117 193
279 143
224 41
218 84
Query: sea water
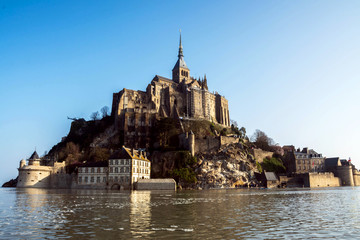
217 214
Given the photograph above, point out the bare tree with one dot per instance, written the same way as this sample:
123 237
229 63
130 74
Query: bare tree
94 116
105 111
261 140
233 122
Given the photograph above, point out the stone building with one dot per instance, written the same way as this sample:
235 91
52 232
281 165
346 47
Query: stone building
42 173
124 168
304 161
93 173
180 97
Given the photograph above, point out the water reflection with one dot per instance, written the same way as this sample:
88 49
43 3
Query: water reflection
219 214
140 213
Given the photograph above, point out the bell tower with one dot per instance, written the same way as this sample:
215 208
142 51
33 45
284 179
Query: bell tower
180 72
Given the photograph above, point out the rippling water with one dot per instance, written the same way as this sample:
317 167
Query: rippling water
217 214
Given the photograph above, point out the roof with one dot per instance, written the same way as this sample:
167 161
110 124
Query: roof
95 164
126 153
157 180
180 63
332 162
311 151
34 156
163 78
270 176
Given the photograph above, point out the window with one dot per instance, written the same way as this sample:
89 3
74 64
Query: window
80 170
121 169
121 179
116 179
86 170
116 170
86 179
92 179
111 169
116 162
104 179
92 170
80 179
98 170
111 179
98 179
127 179
304 168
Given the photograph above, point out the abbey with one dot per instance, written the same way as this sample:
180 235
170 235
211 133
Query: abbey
182 97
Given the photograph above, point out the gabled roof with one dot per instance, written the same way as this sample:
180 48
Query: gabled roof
270 176
157 77
332 162
34 156
127 153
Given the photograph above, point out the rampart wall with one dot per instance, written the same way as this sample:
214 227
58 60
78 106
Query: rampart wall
326 179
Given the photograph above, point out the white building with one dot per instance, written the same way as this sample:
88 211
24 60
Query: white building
122 170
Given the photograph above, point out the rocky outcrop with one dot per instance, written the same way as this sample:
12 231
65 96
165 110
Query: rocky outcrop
11 183
230 166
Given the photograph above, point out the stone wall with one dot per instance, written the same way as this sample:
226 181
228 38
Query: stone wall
228 140
34 176
206 144
156 184
321 180
356 175
259 154
345 173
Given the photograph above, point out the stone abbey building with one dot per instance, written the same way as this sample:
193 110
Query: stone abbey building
182 97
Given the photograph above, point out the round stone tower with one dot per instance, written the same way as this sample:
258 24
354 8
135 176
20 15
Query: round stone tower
22 163
345 173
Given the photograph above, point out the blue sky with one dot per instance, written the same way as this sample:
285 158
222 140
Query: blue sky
289 68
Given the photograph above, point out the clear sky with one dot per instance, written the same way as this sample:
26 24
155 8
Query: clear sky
288 68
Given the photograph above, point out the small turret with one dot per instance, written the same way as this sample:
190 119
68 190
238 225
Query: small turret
34 159
22 163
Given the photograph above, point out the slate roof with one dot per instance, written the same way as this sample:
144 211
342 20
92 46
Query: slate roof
180 63
163 78
332 162
34 156
270 176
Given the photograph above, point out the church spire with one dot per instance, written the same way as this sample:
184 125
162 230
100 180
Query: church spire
180 71
180 48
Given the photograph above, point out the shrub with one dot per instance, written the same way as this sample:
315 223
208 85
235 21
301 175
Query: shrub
273 165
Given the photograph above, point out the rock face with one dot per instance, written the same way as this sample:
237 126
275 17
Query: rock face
230 166
11 183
